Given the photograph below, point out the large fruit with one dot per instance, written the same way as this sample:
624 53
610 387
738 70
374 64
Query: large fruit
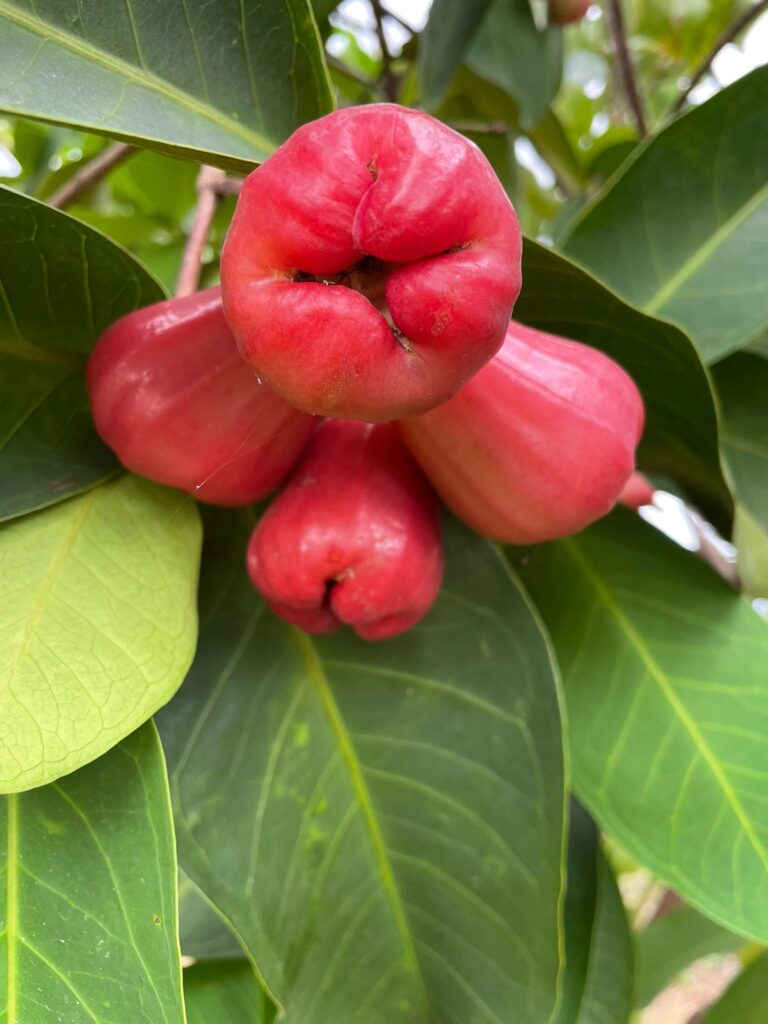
353 538
174 400
538 444
372 264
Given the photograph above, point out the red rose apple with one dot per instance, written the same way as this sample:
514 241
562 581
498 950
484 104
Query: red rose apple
353 538
174 400
372 264
538 444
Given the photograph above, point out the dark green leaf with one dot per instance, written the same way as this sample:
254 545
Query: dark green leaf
680 437
680 232
221 82
597 987
204 935
61 284
746 1001
443 43
523 60
225 992
742 386
88 895
97 624
673 943
399 803
667 695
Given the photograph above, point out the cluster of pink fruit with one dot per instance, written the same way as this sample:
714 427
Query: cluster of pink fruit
360 353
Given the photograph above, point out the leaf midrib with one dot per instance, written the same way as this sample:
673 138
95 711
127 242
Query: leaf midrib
52 576
700 255
151 81
656 673
319 680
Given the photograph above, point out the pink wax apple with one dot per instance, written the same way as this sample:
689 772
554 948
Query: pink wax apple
637 491
372 264
175 402
353 538
537 445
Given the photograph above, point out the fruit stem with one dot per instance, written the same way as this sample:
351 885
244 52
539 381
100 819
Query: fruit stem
209 182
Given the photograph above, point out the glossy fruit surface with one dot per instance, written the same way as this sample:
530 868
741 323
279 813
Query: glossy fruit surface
372 264
567 12
175 402
537 445
353 538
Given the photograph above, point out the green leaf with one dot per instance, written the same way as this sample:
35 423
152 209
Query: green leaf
667 696
746 1001
681 431
597 986
400 803
204 934
523 60
443 43
221 82
680 231
88 898
97 624
742 386
673 943
225 992
61 284
750 539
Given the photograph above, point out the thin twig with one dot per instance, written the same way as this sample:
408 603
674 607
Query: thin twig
390 80
228 187
619 36
90 174
730 33
209 181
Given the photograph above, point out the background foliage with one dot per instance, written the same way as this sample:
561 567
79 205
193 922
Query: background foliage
381 832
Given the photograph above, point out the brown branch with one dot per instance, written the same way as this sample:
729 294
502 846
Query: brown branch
209 181
730 33
228 187
616 25
390 80
90 174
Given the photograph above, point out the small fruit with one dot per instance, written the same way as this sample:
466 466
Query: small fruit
372 264
175 402
537 445
637 491
567 12
353 538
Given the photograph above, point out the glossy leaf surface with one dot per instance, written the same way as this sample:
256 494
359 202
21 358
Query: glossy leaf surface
61 284
398 803
681 230
88 931
97 624
667 694
220 82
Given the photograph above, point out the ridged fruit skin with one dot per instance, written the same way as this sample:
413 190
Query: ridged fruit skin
353 538
637 491
441 245
175 402
568 12
537 445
